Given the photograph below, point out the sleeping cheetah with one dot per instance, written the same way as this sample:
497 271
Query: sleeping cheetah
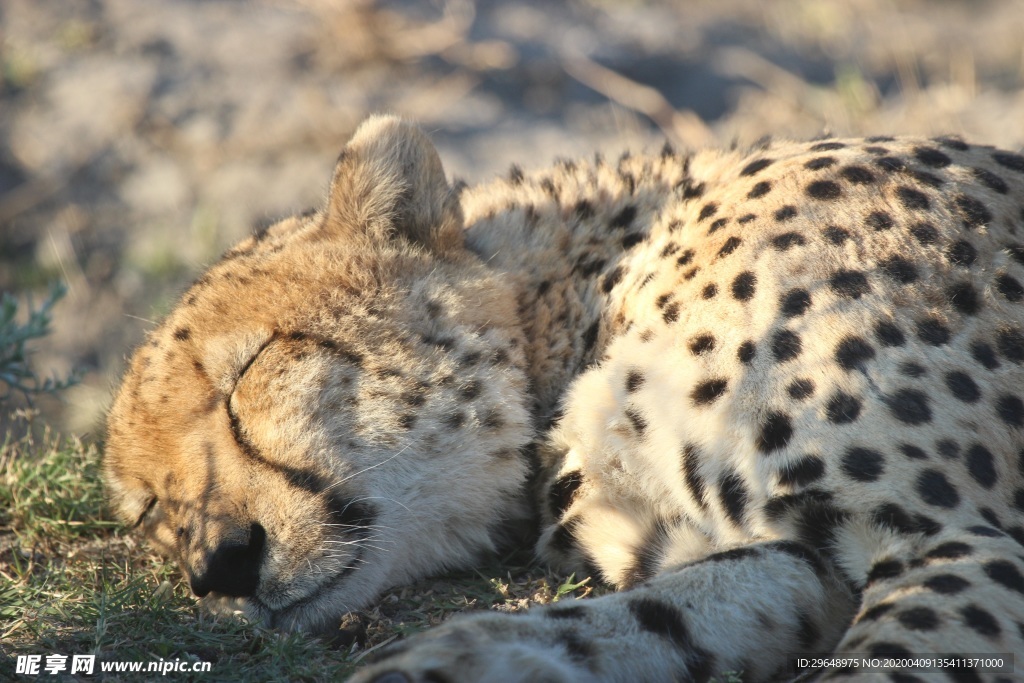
773 395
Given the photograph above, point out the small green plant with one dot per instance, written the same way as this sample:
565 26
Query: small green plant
567 587
16 374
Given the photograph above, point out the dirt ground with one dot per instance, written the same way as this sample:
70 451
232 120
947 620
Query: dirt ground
140 139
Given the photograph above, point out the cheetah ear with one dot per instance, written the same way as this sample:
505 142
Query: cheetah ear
389 182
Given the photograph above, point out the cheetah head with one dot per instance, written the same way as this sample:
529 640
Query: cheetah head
336 407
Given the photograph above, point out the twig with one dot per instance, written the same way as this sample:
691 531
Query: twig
681 127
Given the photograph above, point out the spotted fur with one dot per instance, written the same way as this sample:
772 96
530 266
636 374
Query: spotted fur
776 396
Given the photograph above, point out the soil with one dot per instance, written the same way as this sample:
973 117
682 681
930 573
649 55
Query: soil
140 139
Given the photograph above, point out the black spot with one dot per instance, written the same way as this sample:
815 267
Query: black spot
948 448
637 420
611 279
950 550
990 180
857 175
515 174
961 253
863 464
730 246
842 408
746 351
899 269
1011 410
692 191
563 541
879 220
918 619
874 613
962 386
912 199
471 390
947 584
890 164
912 369
590 336
795 302
733 496
851 284
1014 162
634 380
973 212
776 432
888 334
799 389
182 333
702 343
664 620
984 354
563 491
685 258
852 352
824 190
788 239
694 482
935 489
925 233
709 291
893 516
1011 344
707 211
980 621
963 297
932 157
785 213
733 554
800 552
583 209
671 313
981 465
786 345
407 421
819 163
759 190
1005 574
1009 287
950 142
745 218
986 531
755 166
826 146
708 391
932 331
455 420
630 240
802 472
910 406
624 218
836 235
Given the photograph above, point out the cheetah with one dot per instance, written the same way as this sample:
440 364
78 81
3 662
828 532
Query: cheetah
775 396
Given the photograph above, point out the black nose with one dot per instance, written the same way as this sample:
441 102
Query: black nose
233 568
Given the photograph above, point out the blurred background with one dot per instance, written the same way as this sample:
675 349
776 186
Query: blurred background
140 138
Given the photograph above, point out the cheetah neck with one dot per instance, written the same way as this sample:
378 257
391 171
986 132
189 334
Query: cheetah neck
562 238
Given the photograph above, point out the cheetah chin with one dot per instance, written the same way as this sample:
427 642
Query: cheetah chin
774 396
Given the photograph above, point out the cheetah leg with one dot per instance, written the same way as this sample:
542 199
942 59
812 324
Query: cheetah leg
961 594
750 609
